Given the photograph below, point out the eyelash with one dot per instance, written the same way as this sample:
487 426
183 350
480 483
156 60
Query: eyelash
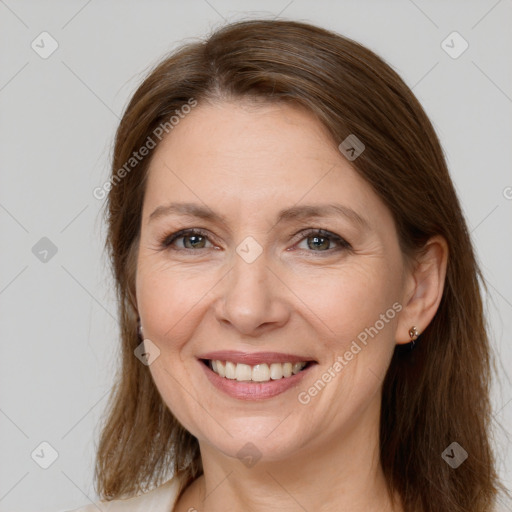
167 241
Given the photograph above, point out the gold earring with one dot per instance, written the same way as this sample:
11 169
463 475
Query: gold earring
413 333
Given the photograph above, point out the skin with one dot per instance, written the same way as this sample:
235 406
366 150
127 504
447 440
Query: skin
247 162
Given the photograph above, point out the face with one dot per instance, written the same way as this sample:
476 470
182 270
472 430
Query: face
270 278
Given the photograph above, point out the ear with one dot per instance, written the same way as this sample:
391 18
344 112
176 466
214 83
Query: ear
423 288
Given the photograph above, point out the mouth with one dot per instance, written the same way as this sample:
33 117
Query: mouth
264 372
254 376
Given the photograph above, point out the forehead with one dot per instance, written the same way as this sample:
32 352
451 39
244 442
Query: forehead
257 156
238 133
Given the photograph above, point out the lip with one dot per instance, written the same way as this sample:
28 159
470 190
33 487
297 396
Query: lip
254 358
244 390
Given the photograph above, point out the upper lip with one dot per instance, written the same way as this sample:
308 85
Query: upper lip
253 358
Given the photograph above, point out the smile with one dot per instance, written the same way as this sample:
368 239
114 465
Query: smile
255 373
254 376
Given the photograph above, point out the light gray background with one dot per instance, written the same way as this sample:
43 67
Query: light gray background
58 116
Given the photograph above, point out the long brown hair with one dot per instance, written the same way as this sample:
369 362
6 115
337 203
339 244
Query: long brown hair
432 396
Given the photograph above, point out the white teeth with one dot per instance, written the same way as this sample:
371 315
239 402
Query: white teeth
297 367
230 370
276 371
221 368
243 372
287 369
261 373
257 373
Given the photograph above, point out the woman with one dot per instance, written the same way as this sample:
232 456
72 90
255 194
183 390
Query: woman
300 312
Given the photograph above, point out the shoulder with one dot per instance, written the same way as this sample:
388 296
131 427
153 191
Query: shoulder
160 499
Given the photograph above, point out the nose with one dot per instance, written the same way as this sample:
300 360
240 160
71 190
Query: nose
252 298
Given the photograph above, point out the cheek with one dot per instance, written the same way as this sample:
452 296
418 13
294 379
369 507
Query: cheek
170 303
169 300
348 300
171 382
356 310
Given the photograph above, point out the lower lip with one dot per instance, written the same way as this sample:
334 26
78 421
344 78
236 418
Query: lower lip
246 390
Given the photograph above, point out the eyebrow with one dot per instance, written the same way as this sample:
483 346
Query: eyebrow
288 214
